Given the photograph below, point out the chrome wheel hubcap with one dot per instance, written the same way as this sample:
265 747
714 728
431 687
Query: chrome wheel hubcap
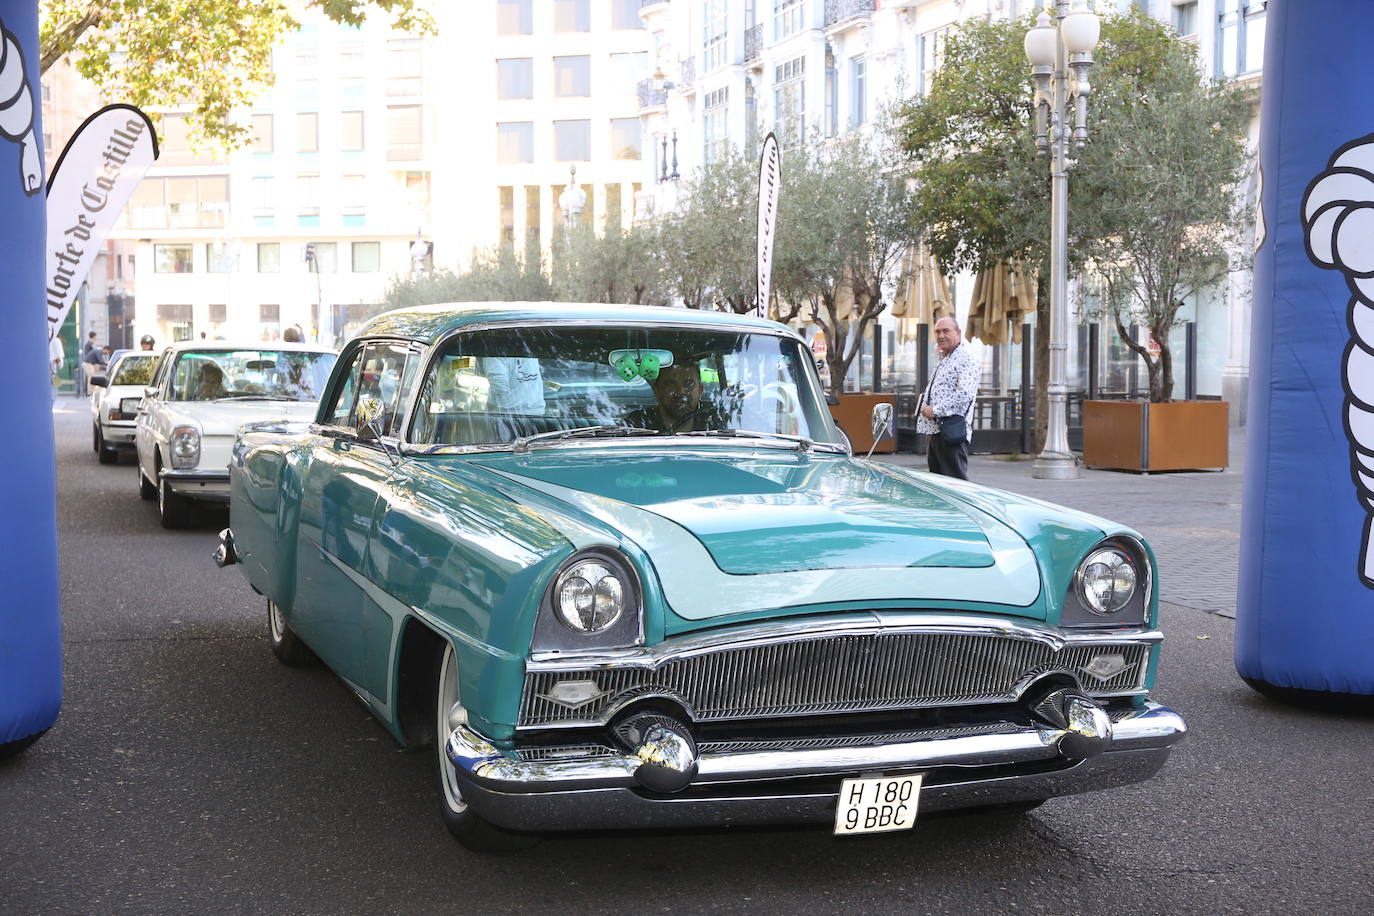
447 697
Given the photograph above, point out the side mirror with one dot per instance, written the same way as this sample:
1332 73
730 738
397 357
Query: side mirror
882 425
832 400
99 381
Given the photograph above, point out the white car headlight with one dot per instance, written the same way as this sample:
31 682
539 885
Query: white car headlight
1107 581
589 597
184 446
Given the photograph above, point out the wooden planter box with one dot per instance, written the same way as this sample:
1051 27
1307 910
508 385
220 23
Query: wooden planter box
854 413
1140 436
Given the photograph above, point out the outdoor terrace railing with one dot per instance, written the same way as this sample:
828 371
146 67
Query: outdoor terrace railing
837 11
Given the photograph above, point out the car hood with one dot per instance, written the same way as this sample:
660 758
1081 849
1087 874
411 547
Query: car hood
224 418
804 529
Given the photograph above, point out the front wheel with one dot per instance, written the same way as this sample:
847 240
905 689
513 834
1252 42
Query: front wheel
286 645
172 508
104 452
465 825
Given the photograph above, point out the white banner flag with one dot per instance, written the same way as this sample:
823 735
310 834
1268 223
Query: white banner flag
770 181
93 179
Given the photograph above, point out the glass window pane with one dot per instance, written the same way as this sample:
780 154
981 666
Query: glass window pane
572 141
625 138
269 257
367 257
515 141
515 17
307 132
625 14
515 78
572 77
172 259
350 131
572 15
403 132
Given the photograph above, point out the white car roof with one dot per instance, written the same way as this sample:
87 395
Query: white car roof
275 345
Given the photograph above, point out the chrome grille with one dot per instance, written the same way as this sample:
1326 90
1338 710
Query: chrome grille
839 673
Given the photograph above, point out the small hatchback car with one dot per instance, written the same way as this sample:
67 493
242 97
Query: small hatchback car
619 568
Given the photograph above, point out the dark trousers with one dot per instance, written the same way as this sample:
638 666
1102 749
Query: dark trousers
946 459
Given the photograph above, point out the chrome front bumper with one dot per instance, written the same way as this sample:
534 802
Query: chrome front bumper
212 486
794 782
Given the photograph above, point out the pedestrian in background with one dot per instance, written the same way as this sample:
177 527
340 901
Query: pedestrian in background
92 363
146 342
945 411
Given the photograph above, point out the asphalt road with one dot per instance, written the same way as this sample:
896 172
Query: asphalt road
191 773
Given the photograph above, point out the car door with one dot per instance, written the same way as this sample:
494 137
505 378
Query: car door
149 412
342 485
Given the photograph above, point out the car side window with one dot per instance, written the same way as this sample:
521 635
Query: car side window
162 369
383 371
340 410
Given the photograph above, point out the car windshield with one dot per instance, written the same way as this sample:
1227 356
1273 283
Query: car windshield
212 375
134 369
506 385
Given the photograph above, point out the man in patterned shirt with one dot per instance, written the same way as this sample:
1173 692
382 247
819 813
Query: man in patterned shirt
952 390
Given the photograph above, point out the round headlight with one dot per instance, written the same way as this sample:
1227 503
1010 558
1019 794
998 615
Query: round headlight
589 598
1107 581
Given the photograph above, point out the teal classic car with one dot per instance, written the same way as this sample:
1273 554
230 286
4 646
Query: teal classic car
619 568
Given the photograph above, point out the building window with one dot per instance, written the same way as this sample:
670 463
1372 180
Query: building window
1185 18
307 132
572 15
307 62
506 213
352 63
788 18
175 321
715 34
515 17
789 101
216 258
326 258
354 191
172 259
308 194
403 66
831 118
615 219
625 14
515 141
180 203
572 77
1240 37
219 312
858 99
403 134
261 134
515 78
176 144
532 212
269 257
713 112
264 192
930 49
351 131
572 141
627 70
625 139
367 257
269 313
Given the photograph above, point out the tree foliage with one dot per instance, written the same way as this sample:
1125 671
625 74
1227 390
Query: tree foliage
500 274
211 56
618 266
1150 196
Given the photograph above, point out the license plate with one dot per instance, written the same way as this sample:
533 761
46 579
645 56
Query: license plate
877 805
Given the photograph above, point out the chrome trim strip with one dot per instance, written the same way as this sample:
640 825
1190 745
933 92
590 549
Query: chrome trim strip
193 475
855 623
482 765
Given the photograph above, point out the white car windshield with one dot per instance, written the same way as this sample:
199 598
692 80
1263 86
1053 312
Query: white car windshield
214 375
134 369
507 385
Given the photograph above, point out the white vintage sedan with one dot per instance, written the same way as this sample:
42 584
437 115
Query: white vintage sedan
115 397
201 395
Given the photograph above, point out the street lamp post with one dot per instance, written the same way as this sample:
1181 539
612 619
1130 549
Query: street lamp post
572 200
1060 53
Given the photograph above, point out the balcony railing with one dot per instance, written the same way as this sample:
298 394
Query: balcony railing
837 11
753 42
649 97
